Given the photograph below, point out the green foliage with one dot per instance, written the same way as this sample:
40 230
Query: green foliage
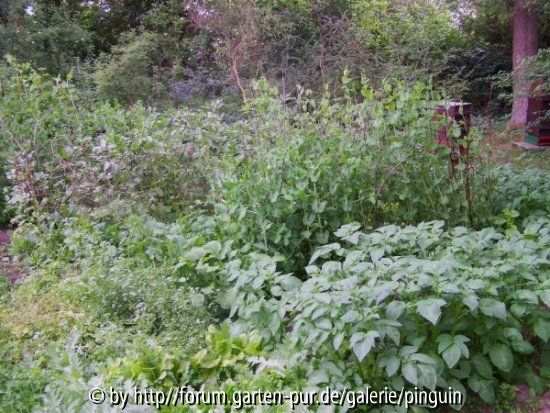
526 191
126 76
69 155
4 213
187 51
331 162
151 364
536 71
57 36
402 34
45 35
417 306
129 317
141 230
217 361
480 75
490 21
21 381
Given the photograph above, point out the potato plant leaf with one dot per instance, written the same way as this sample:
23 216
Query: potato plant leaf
431 309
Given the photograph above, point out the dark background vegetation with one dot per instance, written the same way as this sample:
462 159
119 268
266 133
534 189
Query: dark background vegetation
171 52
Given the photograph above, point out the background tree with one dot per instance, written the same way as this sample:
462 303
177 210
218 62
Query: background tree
517 28
525 45
44 33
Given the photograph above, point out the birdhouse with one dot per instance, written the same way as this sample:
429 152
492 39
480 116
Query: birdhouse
538 105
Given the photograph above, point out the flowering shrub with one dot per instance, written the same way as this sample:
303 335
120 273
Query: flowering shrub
66 155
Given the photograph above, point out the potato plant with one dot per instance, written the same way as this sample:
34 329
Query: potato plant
411 306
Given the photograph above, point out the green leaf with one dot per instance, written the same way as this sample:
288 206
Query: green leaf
323 324
452 355
483 387
350 316
444 342
428 376
318 377
518 309
462 371
501 356
535 382
395 309
318 207
213 247
522 346
362 343
431 309
337 342
409 372
483 366
308 219
393 333
457 386
528 296
471 302
195 253
407 351
545 297
422 358
392 366
542 329
324 250
461 339
347 230
376 254
493 308
290 282
274 324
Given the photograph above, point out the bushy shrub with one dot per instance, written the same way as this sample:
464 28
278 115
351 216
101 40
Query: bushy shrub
4 213
401 35
121 284
248 35
21 380
65 155
305 169
126 76
125 311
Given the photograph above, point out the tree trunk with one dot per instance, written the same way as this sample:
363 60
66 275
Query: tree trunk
525 44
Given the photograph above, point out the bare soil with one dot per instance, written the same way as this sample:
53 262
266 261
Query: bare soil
523 401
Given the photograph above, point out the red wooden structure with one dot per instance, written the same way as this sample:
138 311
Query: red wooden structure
538 132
